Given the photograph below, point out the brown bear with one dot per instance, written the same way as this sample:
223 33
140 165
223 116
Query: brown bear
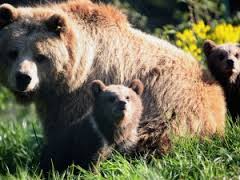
49 55
224 63
112 124
117 112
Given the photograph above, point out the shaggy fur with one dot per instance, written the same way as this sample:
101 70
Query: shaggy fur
111 125
117 112
224 63
82 41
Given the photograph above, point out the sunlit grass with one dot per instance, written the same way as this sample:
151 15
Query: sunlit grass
191 158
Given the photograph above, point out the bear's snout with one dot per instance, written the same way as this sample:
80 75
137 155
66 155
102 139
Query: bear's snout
22 81
230 63
122 105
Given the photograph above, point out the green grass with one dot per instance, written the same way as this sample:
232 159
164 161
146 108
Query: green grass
217 158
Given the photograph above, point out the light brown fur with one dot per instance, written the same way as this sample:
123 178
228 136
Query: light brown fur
98 43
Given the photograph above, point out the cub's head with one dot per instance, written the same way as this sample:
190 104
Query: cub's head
116 102
223 60
38 50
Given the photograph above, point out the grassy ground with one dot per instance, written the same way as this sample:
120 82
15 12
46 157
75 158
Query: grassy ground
20 143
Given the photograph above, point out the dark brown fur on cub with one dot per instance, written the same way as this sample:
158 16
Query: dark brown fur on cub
113 123
224 63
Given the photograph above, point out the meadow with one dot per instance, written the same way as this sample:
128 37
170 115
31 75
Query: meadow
191 158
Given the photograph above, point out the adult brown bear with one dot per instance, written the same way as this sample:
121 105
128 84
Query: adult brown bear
49 55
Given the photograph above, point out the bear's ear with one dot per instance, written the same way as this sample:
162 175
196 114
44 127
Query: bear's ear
57 24
97 87
8 14
208 46
137 86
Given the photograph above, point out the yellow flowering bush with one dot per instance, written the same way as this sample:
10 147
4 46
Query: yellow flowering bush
225 33
191 39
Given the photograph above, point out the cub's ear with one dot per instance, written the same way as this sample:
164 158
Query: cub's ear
208 46
8 14
97 87
137 86
57 24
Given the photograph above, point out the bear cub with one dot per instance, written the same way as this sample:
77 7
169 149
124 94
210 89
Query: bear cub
112 124
224 63
117 112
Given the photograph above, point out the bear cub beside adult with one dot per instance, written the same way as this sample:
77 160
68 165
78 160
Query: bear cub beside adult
112 124
117 112
224 63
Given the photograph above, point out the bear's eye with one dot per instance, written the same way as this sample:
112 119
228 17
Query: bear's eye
111 99
237 55
41 58
221 57
127 98
13 54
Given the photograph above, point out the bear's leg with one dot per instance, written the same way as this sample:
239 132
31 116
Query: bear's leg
154 137
45 160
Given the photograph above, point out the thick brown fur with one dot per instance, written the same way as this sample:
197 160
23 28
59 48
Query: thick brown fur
97 42
224 63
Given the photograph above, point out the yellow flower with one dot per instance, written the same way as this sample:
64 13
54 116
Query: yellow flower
179 43
200 30
224 33
191 40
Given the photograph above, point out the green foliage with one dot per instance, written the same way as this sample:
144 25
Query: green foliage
203 10
191 158
149 14
6 99
19 141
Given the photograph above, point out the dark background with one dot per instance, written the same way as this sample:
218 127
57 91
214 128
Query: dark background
149 14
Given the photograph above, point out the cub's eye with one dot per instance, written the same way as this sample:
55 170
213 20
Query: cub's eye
127 98
221 57
111 99
237 55
13 54
41 58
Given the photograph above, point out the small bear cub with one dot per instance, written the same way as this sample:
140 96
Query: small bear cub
117 111
111 124
224 63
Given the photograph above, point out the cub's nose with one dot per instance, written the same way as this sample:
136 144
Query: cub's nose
22 81
122 105
230 63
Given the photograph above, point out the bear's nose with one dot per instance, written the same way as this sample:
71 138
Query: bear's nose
22 81
230 63
122 105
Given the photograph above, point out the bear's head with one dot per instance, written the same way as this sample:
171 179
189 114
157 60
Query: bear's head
116 102
223 60
39 50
